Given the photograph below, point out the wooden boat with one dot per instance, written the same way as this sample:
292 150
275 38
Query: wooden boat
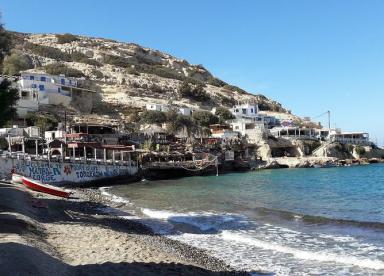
44 188
17 178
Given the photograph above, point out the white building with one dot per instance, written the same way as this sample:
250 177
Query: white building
157 107
16 131
186 111
356 138
293 132
223 132
164 108
250 128
54 134
246 110
36 89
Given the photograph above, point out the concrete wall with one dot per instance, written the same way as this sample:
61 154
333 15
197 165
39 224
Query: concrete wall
57 172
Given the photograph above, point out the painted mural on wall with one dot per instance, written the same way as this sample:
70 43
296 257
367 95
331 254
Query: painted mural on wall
54 172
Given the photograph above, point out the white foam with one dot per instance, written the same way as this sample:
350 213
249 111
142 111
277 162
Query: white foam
112 197
204 221
304 254
157 214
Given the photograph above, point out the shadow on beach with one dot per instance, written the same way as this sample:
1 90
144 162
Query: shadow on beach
20 259
24 250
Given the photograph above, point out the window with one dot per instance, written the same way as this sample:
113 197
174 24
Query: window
33 85
32 77
244 111
58 89
41 87
43 78
237 110
251 110
63 81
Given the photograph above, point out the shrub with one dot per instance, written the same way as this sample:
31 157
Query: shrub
156 88
234 88
49 52
44 122
8 99
196 92
223 114
98 74
226 101
349 148
83 58
132 71
66 38
204 118
216 82
177 122
360 150
117 61
58 68
16 62
153 117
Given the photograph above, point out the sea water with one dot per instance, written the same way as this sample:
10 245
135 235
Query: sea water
326 221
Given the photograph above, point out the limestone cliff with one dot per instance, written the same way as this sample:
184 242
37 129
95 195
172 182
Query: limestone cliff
128 74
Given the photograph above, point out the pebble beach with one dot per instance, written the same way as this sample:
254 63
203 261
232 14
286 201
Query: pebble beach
45 235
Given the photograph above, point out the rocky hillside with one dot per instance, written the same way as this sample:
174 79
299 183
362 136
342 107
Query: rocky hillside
127 74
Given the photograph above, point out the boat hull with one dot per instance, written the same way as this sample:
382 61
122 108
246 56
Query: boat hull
17 178
44 188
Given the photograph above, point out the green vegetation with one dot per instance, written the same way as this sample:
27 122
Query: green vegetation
224 114
57 54
16 62
8 98
153 117
360 150
349 148
234 88
59 68
43 121
204 118
178 122
49 52
193 92
227 101
97 73
66 38
83 58
3 143
216 82
5 43
117 61
132 71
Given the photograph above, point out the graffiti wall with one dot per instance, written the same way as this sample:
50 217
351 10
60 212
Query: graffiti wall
57 172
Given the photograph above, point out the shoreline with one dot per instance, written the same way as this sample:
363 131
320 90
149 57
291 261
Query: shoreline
75 237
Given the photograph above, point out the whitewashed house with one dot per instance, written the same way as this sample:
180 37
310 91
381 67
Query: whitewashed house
157 107
246 110
36 89
186 111
223 131
54 134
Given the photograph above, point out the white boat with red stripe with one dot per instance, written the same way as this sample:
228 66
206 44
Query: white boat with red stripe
45 188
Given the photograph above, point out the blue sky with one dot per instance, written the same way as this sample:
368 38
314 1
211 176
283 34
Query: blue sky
310 55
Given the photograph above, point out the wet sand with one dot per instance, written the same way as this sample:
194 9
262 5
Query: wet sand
45 235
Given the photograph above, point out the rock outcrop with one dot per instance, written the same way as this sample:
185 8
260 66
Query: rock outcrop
131 75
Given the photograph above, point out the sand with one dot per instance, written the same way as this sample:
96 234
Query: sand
45 235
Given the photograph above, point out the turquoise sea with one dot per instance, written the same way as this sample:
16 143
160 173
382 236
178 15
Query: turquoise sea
327 221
